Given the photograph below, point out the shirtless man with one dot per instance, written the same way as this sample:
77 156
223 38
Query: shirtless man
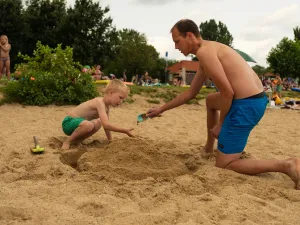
4 56
86 119
240 101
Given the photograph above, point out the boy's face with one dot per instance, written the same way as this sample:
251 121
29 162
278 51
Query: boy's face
117 97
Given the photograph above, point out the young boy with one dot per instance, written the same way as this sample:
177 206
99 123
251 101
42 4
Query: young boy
86 119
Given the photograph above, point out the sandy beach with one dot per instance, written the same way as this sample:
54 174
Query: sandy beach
158 177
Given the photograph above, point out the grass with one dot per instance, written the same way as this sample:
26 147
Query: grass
157 95
153 101
166 93
291 94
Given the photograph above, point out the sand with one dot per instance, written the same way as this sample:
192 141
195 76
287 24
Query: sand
159 177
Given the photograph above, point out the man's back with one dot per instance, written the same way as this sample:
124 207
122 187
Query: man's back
243 79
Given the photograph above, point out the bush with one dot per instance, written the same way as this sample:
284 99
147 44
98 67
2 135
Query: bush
50 77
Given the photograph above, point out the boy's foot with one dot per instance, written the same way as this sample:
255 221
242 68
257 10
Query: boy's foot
294 171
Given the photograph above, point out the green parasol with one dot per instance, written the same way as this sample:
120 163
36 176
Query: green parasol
247 57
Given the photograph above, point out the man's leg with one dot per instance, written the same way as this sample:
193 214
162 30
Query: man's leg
82 130
212 106
290 167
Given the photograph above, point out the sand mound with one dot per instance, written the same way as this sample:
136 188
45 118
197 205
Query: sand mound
134 159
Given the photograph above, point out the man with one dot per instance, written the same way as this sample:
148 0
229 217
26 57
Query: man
240 100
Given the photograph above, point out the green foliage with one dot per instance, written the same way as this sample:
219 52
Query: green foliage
52 60
259 70
50 77
297 33
134 54
153 101
285 58
43 20
212 31
89 30
48 88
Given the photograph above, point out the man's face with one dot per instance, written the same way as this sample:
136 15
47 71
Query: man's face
180 42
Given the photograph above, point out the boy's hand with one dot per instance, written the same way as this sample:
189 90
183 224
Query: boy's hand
127 131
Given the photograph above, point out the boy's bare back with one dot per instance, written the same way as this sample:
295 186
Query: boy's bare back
89 109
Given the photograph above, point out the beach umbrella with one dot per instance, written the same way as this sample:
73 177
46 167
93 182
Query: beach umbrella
247 57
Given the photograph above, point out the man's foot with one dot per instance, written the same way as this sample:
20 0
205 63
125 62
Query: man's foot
294 171
206 152
66 145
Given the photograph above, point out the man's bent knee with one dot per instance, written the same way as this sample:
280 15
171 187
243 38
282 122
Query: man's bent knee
224 160
213 101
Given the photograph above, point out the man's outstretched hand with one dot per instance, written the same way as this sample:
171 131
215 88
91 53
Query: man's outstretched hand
153 112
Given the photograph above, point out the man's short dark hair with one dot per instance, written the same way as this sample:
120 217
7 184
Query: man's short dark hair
186 25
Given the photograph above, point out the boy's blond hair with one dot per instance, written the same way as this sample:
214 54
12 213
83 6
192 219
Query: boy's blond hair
116 85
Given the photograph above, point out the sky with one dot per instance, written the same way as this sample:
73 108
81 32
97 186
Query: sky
256 26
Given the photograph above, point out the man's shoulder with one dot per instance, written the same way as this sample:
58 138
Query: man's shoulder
205 48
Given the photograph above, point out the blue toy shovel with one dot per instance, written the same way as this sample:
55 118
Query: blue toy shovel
143 117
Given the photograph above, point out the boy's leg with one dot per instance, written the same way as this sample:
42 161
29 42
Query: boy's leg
212 106
97 126
290 167
83 129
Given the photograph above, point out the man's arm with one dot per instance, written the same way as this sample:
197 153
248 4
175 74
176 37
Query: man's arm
186 96
212 66
108 132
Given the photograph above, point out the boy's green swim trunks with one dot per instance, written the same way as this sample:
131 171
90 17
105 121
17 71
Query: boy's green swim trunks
69 124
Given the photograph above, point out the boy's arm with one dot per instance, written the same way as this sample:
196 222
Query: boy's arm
108 132
104 120
211 64
186 96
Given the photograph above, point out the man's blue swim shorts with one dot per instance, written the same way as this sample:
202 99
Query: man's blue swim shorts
242 117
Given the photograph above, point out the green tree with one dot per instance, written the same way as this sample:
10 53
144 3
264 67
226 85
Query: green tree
259 70
12 25
212 31
285 58
134 54
297 33
89 31
43 19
